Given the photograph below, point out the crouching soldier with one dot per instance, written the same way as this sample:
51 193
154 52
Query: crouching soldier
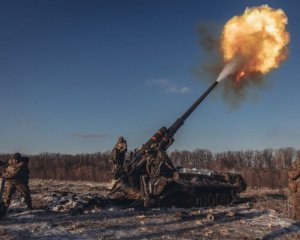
17 177
160 170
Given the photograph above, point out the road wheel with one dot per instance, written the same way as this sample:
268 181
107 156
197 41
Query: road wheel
225 199
211 200
202 200
218 199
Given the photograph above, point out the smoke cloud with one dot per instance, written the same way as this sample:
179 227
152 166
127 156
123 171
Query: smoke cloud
228 69
213 68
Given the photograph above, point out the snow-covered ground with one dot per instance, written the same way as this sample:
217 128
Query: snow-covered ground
76 210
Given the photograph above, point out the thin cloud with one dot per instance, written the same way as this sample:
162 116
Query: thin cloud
172 89
88 136
184 90
167 86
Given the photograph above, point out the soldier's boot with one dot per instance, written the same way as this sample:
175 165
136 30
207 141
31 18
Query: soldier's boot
28 202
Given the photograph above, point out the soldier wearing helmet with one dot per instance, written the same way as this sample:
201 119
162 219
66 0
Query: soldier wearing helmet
159 168
158 162
16 176
118 157
294 187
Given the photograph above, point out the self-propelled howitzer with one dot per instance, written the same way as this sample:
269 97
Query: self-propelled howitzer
185 187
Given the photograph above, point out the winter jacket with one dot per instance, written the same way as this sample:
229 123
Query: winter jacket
17 171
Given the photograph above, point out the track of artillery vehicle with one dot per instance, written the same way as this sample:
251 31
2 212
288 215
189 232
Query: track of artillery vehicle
173 186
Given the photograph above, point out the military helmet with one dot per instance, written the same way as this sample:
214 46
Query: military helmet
17 156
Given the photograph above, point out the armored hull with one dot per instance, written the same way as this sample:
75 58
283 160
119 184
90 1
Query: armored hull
201 188
188 188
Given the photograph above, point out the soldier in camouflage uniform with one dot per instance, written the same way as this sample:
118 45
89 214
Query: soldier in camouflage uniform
294 186
117 160
160 169
17 177
158 162
118 157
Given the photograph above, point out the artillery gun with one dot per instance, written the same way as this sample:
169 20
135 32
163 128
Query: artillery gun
183 187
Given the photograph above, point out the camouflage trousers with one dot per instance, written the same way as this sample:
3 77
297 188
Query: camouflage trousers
22 188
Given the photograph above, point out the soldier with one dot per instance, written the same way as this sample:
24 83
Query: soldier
158 163
160 169
117 158
294 186
16 176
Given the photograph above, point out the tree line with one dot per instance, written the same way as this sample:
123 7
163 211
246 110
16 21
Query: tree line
261 168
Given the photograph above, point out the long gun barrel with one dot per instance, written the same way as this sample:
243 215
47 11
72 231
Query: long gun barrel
170 132
180 121
164 136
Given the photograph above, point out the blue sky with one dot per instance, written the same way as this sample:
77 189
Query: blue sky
77 74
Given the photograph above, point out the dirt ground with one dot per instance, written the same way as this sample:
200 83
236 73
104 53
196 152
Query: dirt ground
76 210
